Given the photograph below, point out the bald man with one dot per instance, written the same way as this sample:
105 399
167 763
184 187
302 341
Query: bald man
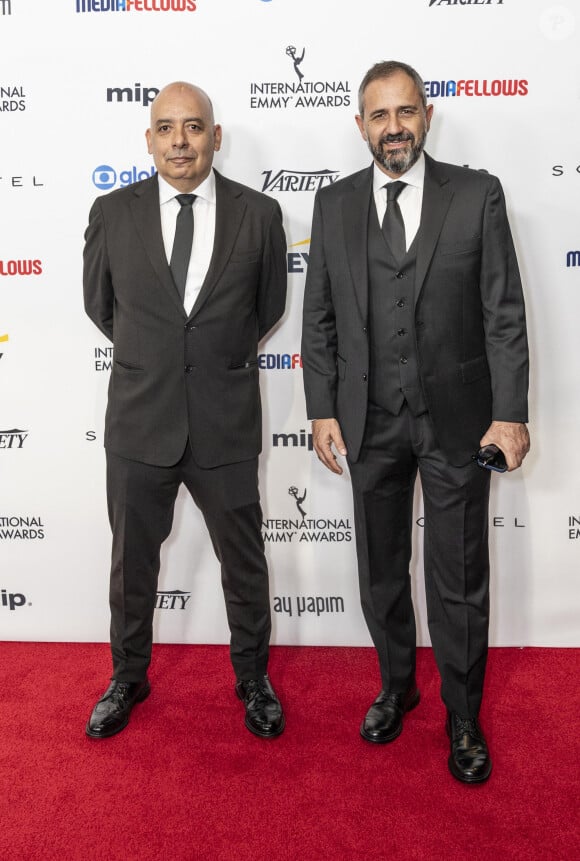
185 273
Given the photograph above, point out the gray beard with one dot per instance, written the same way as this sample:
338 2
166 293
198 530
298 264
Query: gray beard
399 162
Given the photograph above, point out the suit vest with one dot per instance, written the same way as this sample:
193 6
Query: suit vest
394 369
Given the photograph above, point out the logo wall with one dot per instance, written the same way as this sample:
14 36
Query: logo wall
135 6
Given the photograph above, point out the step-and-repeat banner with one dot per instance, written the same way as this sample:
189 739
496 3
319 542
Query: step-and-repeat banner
76 81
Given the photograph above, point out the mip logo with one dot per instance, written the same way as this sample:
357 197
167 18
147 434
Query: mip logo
3 339
106 177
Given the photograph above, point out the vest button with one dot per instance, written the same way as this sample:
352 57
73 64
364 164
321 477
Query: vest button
403 360
400 303
401 331
399 274
365 377
188 369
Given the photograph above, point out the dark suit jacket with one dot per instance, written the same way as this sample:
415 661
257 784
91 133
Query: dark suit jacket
175 376
469 308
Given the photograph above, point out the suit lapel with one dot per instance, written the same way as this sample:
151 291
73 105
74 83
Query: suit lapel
230 208
437 196
147 215
355 218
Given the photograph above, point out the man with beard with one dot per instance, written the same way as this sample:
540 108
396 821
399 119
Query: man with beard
415 356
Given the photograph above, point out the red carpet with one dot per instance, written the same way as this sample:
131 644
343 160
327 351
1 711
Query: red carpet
187 781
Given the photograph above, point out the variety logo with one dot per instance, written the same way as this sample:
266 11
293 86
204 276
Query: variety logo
291 180
15 527
12 99
140 94
12 600
302 439
300 92
20 267
298 260
20 182
476 87
465 2
5 7
3 339
302 528
279 361
106 177
573 258
175 599
13 438
135 6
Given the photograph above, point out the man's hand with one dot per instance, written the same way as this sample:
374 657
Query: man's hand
513 439
325 434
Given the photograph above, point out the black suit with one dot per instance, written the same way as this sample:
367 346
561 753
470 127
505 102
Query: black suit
468 335
184 402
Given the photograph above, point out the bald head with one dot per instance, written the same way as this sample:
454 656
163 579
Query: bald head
183 137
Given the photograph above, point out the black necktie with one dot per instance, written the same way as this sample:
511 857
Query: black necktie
183 241
393 224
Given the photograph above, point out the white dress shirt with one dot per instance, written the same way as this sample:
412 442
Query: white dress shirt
204 209
410 199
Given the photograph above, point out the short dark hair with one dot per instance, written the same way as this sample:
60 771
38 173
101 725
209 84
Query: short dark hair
385 70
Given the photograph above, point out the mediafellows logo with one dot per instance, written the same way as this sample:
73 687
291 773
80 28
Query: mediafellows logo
477 87
20 267
573 259
300 91
12 99
279 361
136 6
5 7
138 93
106 177
297 180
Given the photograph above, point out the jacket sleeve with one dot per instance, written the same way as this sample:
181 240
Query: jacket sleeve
503 312
97 281
319 338
273 276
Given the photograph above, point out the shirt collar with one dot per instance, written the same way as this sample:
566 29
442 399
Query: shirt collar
414 176
206 189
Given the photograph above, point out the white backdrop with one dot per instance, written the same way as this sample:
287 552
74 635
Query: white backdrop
75 80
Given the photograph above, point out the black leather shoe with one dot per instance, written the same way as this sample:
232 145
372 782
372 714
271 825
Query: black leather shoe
469 760
384 719
111 713
264 715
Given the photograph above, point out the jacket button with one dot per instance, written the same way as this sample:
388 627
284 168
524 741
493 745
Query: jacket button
403 360
365 330
400 303
188 369
399 274
401 331
189 327
365 377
